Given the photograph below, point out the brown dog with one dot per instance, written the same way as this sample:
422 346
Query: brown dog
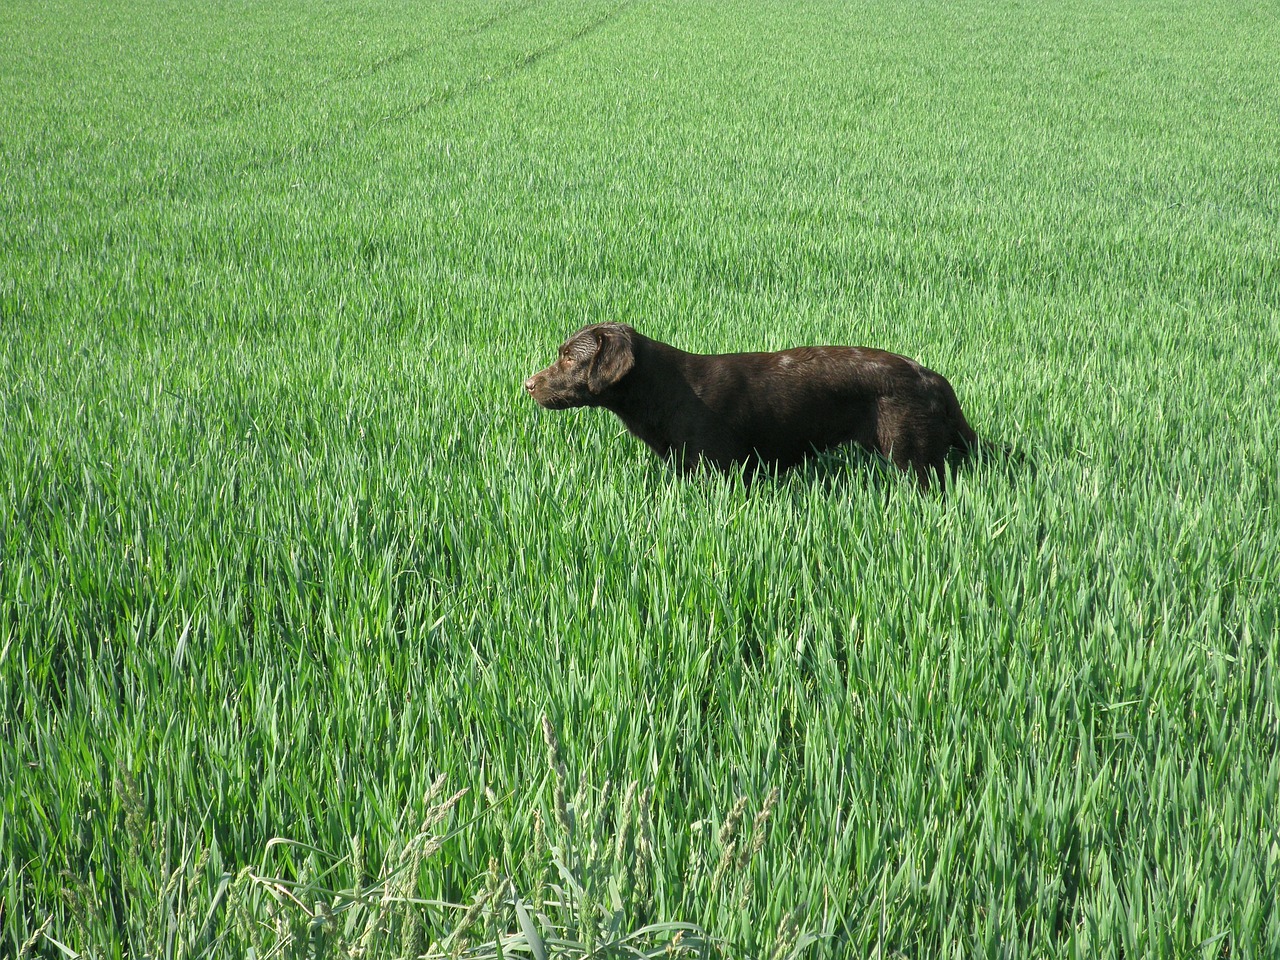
752 409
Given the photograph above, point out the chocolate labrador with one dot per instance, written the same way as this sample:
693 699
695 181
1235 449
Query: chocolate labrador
746 410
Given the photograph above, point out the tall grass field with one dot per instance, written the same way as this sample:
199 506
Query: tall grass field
318 638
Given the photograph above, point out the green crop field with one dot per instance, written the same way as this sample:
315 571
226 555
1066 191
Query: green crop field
319 638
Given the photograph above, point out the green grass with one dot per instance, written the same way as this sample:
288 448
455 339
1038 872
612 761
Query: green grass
282 541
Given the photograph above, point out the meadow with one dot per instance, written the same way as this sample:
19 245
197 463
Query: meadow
319 638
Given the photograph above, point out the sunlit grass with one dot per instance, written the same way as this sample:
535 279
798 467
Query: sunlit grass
282 541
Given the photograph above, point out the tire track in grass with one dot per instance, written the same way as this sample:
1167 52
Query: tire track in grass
407 53
469 87
271 158
249 105
500 17
241 160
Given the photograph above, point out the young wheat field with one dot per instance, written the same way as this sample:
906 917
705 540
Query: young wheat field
319 639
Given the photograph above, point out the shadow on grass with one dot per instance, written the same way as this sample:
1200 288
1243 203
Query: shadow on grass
834 469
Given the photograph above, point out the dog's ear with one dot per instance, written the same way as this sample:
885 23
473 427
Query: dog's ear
615 356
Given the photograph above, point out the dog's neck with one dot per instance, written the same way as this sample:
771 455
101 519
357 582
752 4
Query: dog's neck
645 398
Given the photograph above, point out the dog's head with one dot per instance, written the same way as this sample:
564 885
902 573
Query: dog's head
591 363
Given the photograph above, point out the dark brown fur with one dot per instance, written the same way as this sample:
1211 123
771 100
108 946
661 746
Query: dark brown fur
751 409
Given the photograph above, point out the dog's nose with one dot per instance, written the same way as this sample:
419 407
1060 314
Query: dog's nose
528 385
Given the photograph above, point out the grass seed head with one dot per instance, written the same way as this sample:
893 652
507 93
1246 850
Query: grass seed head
622 842
729 830
758 827
357 861
784 937
552 741
29 944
